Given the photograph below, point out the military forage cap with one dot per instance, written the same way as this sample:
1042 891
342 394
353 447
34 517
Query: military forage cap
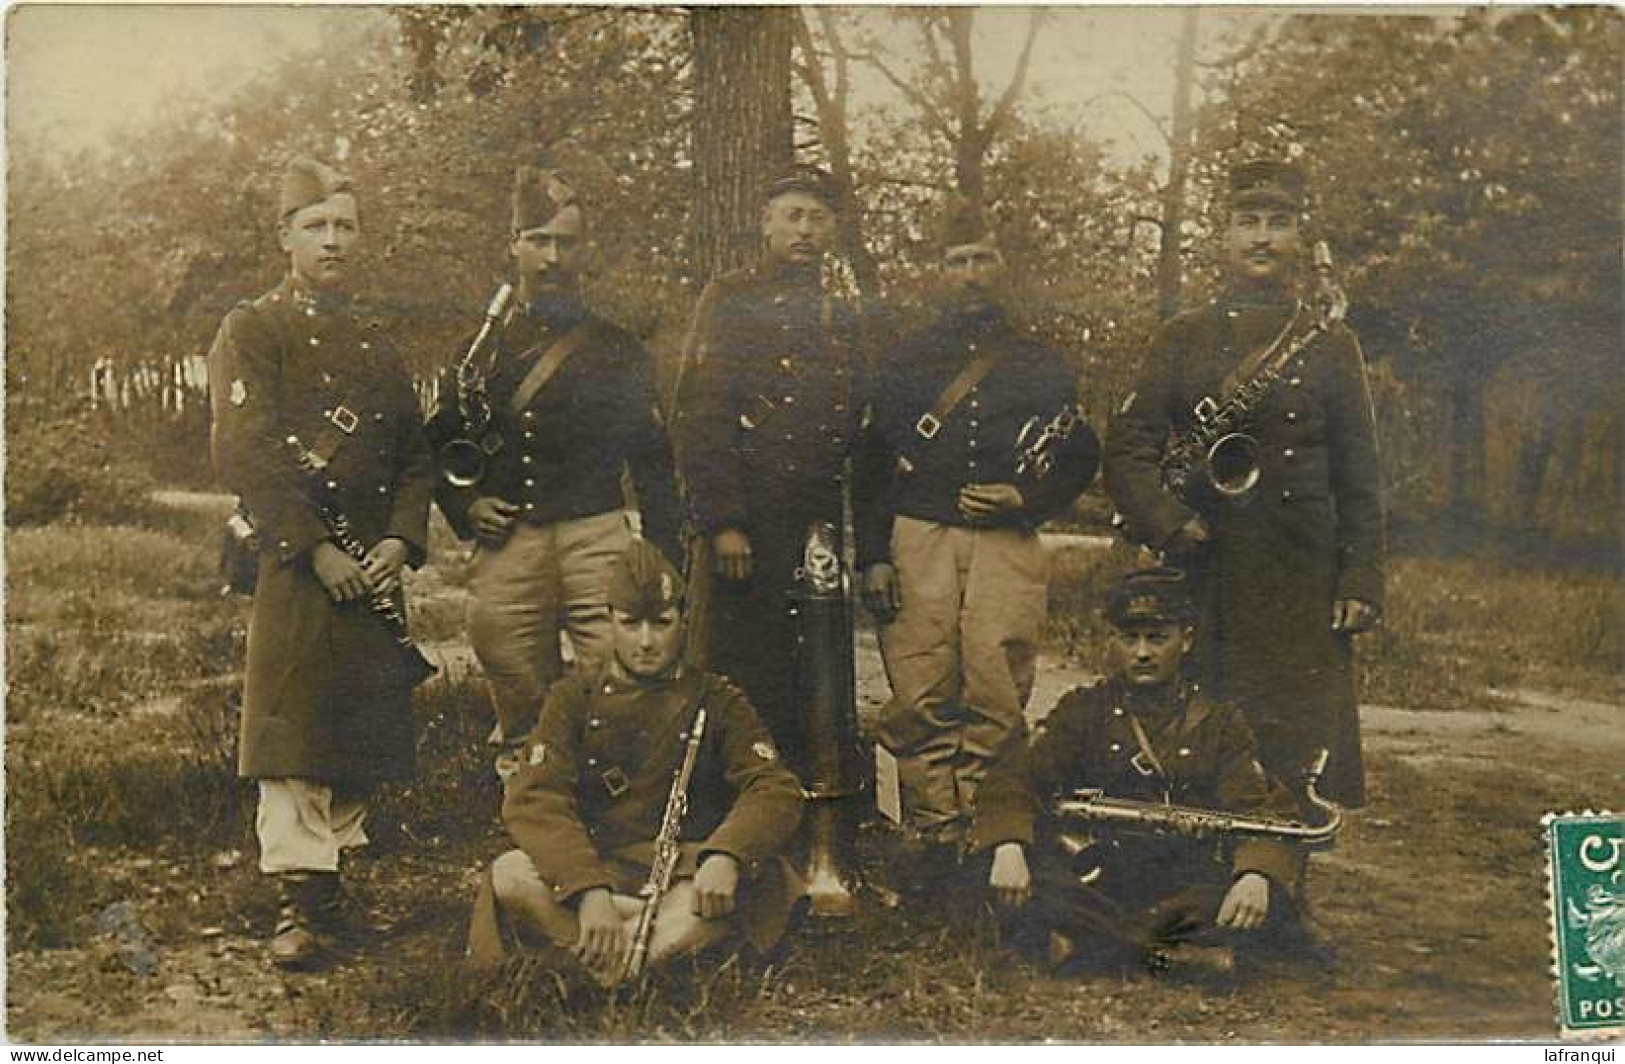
1266 183
1150 596
805 179
643 582
539 196
306 182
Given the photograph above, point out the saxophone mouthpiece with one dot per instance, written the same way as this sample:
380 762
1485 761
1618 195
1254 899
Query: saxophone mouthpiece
499 302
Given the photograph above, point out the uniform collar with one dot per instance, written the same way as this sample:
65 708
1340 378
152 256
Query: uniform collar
614 681
1277 299
303 297
975 323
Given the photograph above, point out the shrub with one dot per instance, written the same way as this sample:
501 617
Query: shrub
65 467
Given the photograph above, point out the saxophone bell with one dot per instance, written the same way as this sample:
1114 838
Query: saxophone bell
462 463
1232 466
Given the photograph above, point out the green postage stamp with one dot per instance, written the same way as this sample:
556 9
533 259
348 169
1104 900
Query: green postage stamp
1586 899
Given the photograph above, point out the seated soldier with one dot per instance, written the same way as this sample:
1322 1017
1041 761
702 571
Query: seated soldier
592 788
1142 734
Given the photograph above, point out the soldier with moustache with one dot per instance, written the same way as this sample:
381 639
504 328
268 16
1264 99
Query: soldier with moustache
947 527
768 405
573 406
588 800
1289 574
326 707
1144 733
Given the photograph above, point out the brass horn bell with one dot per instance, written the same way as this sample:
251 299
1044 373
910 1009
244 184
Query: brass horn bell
1232 465
462 463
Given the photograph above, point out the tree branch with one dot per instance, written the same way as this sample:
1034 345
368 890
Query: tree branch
1157 123
1018 81
934 116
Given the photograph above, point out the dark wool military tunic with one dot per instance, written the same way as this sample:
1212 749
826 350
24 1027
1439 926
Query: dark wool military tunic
1208 758
597 771
563 455
323 698
768 408
1311 534
976 443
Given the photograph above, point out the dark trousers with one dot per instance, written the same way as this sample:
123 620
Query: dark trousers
1143 895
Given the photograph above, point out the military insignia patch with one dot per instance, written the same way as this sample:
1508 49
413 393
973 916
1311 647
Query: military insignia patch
765 751
538 754
239 392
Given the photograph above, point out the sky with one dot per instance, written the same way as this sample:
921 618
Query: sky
78 72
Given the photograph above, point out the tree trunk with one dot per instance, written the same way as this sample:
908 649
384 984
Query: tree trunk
1465 505
1179 154
742 127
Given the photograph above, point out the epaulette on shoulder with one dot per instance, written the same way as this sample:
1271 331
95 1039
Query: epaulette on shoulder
722 687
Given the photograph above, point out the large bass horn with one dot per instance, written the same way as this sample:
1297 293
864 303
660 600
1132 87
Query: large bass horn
832 776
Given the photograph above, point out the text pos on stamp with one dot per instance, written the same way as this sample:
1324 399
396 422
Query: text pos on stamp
1585 896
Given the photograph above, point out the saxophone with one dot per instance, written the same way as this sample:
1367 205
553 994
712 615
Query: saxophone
1217 455
463 460
668 850
1094 809
384 605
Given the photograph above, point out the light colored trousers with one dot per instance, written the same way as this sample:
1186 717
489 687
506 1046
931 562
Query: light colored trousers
302 826
522 594
961 656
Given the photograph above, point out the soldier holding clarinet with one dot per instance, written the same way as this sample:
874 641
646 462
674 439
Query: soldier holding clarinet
317 429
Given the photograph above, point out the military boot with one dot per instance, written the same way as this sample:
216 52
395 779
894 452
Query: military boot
306 907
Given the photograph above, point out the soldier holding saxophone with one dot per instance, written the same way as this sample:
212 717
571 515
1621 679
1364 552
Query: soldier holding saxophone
1278 518
1144 734
535 425
621 772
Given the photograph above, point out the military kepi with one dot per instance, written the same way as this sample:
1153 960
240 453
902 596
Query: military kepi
306 182
1150 596
541 197
643 583
809 180
1266 183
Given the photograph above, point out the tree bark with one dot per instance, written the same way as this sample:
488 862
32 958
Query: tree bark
1465 503
742 128
1169 274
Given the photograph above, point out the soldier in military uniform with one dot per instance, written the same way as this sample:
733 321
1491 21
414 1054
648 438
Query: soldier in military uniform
1290 575
588 801
572 402
1145 733
326 711
768 406
947 529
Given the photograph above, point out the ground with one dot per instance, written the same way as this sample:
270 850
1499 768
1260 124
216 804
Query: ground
1434 893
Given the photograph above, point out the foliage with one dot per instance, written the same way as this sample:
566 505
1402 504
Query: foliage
68 468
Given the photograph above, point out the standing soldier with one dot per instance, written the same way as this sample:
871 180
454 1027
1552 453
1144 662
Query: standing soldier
327 706
597 781
564 402
1145 736
769 405
1287 542
947 525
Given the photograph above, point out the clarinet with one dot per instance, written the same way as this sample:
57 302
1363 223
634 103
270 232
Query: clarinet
385 607
667 851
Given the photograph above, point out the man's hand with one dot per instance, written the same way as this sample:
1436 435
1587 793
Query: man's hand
383 564
990 502
1187 537
1010 878
492 519
340 575
1246 903
1353 615
732 548
715 885
604 940
881 591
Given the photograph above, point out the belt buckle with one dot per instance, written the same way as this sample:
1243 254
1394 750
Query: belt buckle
344 419
615 781
928 426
